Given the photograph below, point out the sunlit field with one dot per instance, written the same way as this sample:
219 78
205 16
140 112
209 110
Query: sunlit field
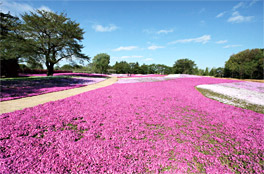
131 87
135 127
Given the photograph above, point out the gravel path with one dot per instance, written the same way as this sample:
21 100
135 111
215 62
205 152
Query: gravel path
13 105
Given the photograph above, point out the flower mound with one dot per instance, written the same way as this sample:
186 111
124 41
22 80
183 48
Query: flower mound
14 89
134 128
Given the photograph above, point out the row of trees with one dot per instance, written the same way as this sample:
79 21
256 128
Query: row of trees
44 37
245 64
40 36
181 66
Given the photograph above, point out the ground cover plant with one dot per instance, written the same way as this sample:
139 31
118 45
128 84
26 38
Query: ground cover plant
248 95
152 78
165 126
65 74
142 79
15 88
139 75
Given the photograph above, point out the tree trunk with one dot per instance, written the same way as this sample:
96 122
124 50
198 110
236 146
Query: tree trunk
50 68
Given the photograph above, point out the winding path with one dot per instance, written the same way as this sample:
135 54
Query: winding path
18 104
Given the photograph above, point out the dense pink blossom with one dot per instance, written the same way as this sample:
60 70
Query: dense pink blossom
65 74
134 128
14 89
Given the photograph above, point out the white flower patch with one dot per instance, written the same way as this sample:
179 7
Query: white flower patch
249 96
174 75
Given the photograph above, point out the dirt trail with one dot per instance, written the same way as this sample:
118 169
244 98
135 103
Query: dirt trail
18 104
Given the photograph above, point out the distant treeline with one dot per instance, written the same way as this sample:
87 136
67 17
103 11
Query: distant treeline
36 41
245 64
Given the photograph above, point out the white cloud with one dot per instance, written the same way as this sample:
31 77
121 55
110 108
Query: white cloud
154 47
45 8
100 28
16 8
237 18
253 2
148 59
220 14
165 31
128 48
203 39
221 41
238 5
232 46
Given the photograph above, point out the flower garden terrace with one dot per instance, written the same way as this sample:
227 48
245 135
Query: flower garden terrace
160 126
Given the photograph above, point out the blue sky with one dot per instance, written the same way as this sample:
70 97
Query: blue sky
161 32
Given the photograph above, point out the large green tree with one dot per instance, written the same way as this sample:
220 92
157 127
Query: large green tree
10 44
134 68
163 69
101 63
52 37
122 67
246 64
184 66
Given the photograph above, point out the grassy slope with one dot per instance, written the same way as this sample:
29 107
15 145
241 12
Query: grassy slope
229 100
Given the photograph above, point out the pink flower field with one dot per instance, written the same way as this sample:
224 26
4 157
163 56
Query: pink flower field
138 75
154 127
15 89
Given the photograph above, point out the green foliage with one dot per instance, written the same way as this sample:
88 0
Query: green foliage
206 72
184 66
52 37
246 64
122 67
101 63
10 44
159 69
217 72
134 68
33 64
144 69
66 67
72 67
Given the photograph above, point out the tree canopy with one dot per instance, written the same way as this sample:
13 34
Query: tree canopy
101 62
246 64
10 44
48 37
184 66
52 37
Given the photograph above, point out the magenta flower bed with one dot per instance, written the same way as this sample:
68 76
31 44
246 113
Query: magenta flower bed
134 128
65 74
15 89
